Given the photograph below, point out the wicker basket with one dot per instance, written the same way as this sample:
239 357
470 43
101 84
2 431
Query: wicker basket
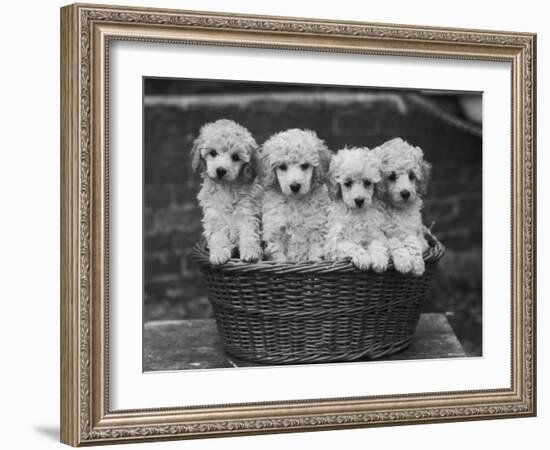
291 313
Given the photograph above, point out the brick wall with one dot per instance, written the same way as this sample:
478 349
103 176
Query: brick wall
173 287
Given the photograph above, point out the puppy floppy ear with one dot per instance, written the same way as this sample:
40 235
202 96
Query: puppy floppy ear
266 172
422 170
381 189
334 189
325 156
320 172
381 186
425 170
249 170
197 161
374 162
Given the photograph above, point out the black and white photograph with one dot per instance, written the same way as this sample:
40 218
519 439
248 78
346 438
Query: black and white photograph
299 224
276 224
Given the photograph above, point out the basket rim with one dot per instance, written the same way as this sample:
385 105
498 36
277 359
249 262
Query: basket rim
201 254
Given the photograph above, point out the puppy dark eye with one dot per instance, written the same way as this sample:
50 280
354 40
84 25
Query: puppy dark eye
411 176
304 166
348 183
367 183
283 167
235 157
392 176
213 153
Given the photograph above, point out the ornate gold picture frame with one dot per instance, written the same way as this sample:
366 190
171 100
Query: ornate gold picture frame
86 34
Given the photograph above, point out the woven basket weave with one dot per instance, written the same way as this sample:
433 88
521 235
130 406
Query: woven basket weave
291 313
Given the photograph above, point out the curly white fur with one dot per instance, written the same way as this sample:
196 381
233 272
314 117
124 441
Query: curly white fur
404 179
356 216
224 153
293 166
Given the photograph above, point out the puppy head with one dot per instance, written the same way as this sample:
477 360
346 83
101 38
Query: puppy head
296 161
405 173
224 151
353 175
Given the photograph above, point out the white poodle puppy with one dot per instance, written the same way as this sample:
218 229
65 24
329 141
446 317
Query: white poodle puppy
404 181
293 166
224 154
356 216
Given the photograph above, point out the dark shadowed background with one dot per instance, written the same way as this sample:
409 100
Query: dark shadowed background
446 125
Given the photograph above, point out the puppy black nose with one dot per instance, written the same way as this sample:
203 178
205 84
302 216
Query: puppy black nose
359 202
295 187
405 194
220 171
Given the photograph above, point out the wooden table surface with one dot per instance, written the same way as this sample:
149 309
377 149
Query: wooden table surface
196 344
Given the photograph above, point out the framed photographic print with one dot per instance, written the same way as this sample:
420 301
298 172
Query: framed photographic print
276 224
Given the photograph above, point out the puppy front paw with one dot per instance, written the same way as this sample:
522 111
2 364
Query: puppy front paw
250 253
219 256
379 262
361 260
418 266
402 261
